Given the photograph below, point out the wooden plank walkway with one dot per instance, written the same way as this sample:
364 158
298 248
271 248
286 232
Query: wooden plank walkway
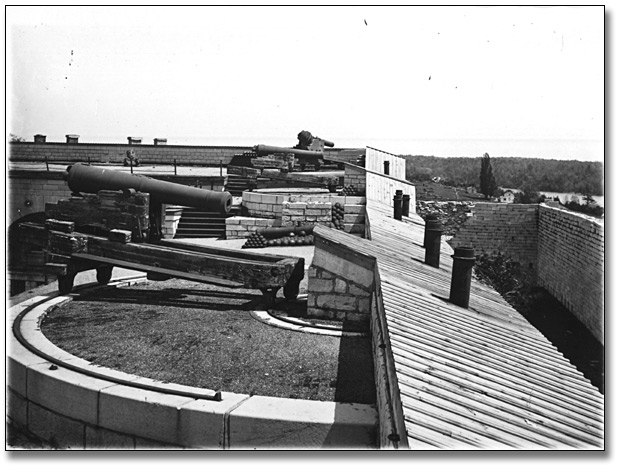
476 378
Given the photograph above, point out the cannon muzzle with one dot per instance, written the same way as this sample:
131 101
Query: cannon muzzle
89 179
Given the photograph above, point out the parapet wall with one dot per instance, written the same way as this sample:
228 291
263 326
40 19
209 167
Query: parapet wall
571 256
509 229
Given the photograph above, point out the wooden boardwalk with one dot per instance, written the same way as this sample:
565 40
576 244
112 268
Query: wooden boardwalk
476 378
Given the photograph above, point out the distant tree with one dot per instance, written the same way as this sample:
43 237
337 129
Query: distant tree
488 185
529 194
15 138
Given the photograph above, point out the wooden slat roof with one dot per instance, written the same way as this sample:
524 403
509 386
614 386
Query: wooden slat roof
476 378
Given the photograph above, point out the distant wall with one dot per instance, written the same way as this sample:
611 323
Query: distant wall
116 153
571 255
509 229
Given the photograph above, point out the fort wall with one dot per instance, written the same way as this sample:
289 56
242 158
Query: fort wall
565 249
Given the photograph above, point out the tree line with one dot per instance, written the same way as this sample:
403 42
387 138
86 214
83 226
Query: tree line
511 172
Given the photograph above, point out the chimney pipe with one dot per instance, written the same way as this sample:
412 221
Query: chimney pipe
432 239
432 223
39 138
132 140
406 201
72 138
461 276
398 204
160 141
386 167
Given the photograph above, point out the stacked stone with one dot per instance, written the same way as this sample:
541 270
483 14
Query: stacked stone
243 227
263 205
355 179
302 213
334 296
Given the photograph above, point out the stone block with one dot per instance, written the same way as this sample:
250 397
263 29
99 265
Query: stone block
143 413
63 433
336 302
320 285
65 392
340 286
266 422
103 439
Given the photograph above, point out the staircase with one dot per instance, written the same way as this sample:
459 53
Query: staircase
235 185
196 223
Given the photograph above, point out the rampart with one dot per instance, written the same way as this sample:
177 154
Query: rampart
565 249
510 229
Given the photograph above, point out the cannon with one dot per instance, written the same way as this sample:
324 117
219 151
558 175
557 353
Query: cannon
309 150
83 178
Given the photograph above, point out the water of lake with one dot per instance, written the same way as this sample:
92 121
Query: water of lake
564 197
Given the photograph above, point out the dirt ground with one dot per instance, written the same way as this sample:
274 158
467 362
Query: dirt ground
204 336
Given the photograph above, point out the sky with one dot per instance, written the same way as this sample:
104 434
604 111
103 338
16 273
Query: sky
420 80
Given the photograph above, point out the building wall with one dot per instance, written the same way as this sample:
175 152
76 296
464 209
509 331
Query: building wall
29 194
375 161
382 189
509 229
571 259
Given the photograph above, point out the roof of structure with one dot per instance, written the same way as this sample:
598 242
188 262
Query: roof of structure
480 377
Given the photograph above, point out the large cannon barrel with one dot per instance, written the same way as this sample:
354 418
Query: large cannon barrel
89 179
263 149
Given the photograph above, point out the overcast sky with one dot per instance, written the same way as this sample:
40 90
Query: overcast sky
344 74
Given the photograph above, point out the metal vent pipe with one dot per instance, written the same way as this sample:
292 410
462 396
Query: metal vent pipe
463 262
406 201
398 204
433 233
432 222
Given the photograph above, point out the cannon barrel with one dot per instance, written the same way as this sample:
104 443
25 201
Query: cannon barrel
89 179
328 143
263 149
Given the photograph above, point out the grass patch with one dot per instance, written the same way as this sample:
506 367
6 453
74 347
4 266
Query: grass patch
203 336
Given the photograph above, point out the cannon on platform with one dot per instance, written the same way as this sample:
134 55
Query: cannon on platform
83 179
128 209
309 150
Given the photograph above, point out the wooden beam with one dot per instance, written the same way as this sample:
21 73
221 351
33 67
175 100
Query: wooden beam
159 270
252 273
